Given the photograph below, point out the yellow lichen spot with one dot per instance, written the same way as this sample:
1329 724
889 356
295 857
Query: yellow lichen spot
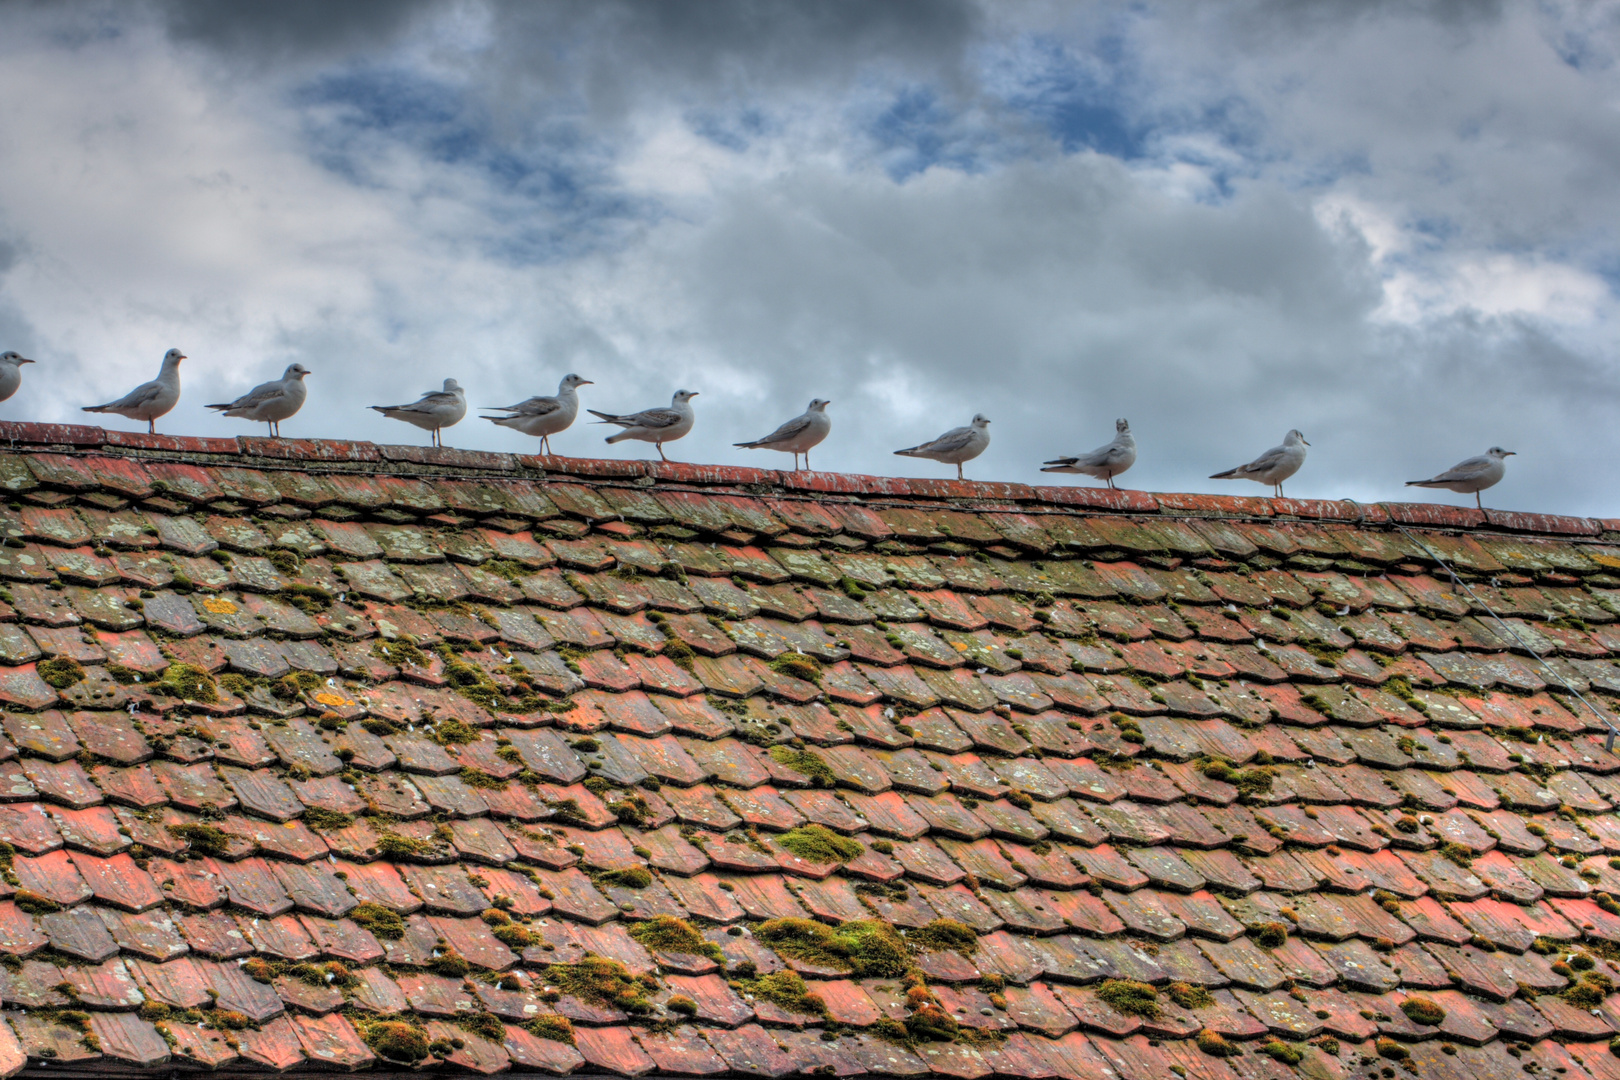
219 606
331 700
958 646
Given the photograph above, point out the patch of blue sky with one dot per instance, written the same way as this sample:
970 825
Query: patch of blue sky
551 192
734 129
1074 96
913 129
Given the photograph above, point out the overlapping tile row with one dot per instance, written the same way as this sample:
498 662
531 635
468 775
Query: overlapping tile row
1283 760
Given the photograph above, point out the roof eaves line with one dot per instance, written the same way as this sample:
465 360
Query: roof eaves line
1037 502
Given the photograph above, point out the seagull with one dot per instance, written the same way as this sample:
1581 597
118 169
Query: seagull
956 445
1105 462
1472 476
149 400
798 435
543 417
657 426
434 410
272 402
11 373
1274 466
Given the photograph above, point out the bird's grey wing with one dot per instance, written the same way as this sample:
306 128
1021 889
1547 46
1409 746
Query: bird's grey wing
653 418
536 406
430 402
1268 460
138 396
1467 470
260 394
787 430
954 439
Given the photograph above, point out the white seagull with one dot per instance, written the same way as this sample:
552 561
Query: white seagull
543 417
657 426
1472 476
956 445
435 409
11 373
272 402
149 400
1105 462
1274 466
798 435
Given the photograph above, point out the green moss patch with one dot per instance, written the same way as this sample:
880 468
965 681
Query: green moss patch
1422 1010
786 989
631 877
597 980
452 732
553 1027
203 839
393 1040
188 682
863 947
383 923
1188 996
1211 1043
1287 1053
806 762
1130 997
666 933
61 672
944 935
798 666
819 844
317 818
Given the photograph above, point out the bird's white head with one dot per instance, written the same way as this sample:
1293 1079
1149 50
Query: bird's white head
1498 453
819 405
571 382
683 396
295 371
451 386
173 357
1294 438
980 420
1122 426
14 358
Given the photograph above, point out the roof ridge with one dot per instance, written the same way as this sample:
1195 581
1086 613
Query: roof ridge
339 456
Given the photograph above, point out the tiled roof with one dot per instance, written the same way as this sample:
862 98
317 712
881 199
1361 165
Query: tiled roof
334 755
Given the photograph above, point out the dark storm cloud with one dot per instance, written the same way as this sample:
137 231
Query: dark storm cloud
267 30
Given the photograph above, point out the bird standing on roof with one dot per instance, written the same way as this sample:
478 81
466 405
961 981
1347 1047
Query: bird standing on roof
543 417
657 426
956 445
798 435
435 410
149 400
1472 476
11 372
272 402
1105 462
1274 466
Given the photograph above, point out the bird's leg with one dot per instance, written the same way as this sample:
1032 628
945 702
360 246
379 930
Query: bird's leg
1477 503
959 475
661 451
151 427
807 461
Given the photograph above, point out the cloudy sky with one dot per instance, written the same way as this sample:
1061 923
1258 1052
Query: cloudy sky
1395 227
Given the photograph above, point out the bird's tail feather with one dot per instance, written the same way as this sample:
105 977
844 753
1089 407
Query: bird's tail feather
748 445
607 418
912 452
1060 461
97 408
1229 474
1422 483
